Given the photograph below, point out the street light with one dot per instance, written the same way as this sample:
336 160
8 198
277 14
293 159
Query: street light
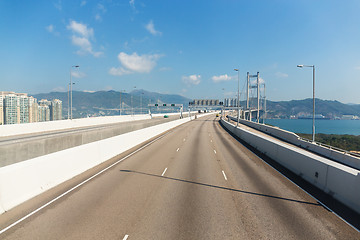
313 126
120 100
141 102
71 83
238 97
132 108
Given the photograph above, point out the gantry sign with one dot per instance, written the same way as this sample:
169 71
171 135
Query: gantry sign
166 105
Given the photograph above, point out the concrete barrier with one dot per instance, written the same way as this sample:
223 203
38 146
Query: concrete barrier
341 157
27 128
340 181
24 180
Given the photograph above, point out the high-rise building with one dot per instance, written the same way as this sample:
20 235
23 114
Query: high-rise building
56 110
11 109
2 97
44 110
33 110
23 107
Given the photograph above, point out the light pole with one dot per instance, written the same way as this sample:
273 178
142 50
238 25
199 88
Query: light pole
132 108
238 97
141 102
120 100
313 126
76 66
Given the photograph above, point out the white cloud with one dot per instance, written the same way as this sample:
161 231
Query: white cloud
88 91
98 18
101 8
357 68
222 78
132 63
50 28
192 79
78 74
254 82
151 28
81 29
118 71
138 63
58 5
58 89
83 3
281 75
132 4
81 37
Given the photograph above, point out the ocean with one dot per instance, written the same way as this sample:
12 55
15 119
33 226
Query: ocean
321 126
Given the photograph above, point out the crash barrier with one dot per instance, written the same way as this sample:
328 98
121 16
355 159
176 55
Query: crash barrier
343 157
340 181
39 144
21 181
38 127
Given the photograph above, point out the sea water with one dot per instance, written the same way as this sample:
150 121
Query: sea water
321 126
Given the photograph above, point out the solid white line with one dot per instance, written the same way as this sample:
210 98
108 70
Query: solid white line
126 236
215 151
77 186
164 172
177 149
224 175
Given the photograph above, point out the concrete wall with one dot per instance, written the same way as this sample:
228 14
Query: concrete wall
340 181
17 151
27 128
22 181
341 157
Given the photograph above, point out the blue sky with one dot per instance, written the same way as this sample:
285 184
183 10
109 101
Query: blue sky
187 47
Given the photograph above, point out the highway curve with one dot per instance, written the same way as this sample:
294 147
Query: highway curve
195 182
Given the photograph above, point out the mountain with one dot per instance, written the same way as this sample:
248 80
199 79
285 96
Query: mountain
329 109
108 102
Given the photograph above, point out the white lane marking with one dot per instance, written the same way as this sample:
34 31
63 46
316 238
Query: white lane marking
77 186
164 172
177 149
126 236
215 151
224 175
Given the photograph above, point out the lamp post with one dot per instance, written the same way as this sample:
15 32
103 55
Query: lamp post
313 126
141 102
71 83
132 108
120 100
238 97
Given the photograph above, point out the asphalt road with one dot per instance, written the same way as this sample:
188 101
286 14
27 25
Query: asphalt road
196 182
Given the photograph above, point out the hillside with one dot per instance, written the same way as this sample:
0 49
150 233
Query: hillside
330 109
107 102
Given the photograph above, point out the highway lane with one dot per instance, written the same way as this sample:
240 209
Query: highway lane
197 182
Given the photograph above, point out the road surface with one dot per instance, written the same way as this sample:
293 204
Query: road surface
195 182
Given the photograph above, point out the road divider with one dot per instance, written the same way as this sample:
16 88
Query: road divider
22 181
339 181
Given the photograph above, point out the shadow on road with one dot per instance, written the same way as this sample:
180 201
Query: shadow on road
222 188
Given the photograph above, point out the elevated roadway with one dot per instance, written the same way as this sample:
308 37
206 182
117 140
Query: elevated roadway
195 182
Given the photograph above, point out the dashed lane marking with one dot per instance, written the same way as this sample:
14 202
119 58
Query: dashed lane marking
164 172
224 175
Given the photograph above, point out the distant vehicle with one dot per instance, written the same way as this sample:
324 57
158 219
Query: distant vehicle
199 111
217 115
166 116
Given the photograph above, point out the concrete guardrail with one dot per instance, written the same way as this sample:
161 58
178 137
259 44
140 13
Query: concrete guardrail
340 181
24 180
341 157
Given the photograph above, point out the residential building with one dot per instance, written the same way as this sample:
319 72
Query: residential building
56 110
